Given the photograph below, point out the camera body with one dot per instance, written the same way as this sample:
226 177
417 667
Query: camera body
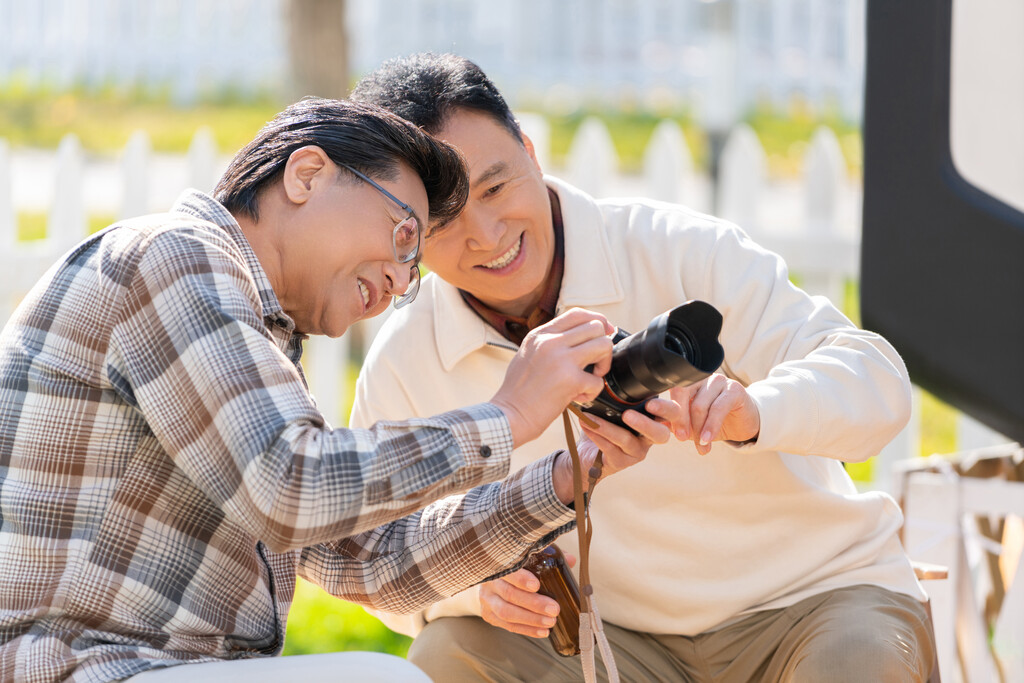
678 348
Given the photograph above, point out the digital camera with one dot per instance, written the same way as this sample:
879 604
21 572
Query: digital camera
678 348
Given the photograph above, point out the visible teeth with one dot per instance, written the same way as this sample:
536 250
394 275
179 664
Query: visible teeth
365 294
507 258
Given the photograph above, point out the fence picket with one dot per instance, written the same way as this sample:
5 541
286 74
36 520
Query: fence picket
592 160
824 178
743 169
8 224
202 160
668 165
536 127
8 230
135 165
67 223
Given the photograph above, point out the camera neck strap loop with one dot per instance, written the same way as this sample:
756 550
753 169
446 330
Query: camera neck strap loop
591 627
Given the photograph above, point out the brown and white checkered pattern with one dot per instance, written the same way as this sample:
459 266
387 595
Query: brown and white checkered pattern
165 474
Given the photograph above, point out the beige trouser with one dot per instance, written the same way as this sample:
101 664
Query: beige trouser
356 667
863 633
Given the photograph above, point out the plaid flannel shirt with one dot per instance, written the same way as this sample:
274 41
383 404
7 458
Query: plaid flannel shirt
165 474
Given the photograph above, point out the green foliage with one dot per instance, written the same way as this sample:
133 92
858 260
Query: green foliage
319 622
785 136
938 425
630 132
103 121
32 225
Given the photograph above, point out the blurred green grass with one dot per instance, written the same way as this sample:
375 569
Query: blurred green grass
319 622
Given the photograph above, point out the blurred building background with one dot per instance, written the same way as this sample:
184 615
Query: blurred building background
717 58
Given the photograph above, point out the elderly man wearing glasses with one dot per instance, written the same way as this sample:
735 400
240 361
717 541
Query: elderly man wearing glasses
165 474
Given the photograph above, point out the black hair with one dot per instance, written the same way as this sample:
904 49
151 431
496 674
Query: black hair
368 138
425 88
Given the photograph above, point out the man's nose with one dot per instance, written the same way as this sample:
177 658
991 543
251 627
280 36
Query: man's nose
484 228
397 277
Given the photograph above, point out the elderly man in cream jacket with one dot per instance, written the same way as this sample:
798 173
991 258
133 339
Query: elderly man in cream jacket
742 552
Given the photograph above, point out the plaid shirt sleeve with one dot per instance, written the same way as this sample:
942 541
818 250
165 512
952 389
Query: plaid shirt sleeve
452 544
191 351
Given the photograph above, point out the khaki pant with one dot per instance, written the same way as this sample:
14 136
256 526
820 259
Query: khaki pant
862 633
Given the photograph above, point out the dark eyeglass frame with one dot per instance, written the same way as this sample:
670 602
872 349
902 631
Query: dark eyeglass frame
414 271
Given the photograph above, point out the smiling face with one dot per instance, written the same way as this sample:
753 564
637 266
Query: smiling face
338 265
501 247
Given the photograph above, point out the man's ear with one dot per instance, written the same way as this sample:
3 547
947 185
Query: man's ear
304 168
528 144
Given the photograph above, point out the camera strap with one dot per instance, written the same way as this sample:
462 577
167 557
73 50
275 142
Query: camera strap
591 627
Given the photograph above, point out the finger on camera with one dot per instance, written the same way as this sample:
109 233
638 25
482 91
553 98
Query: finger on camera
596 351
522 607
523 579
654 431
609 434
575 317
591 389
603 444
632 450
667 411
518 620
583 333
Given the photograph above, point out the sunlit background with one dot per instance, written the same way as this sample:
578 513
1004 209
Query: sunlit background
750 109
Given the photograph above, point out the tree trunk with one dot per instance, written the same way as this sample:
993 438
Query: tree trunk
318 48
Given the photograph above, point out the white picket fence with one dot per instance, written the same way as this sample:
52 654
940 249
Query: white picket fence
814 222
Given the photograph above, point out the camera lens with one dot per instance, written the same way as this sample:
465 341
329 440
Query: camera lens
679 341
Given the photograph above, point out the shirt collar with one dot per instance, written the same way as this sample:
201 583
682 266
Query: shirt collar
203 206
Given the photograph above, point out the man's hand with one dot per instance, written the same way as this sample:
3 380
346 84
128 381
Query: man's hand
548 371
512 603
715 409
621 448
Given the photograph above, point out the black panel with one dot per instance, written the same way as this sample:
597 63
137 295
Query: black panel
942 262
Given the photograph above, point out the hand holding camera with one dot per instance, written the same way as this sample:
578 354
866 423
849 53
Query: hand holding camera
551 370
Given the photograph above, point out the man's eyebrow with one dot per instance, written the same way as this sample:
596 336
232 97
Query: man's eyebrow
499 168
396 216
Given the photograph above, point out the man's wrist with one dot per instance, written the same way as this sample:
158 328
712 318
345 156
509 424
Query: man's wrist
514 419
562 478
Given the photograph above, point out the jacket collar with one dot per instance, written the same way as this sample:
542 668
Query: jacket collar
591 278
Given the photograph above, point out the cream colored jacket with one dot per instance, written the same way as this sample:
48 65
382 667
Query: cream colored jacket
683 543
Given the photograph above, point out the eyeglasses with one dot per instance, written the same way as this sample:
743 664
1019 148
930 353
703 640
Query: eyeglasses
405 239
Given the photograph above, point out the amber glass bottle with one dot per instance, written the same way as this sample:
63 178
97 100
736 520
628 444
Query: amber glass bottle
557 582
